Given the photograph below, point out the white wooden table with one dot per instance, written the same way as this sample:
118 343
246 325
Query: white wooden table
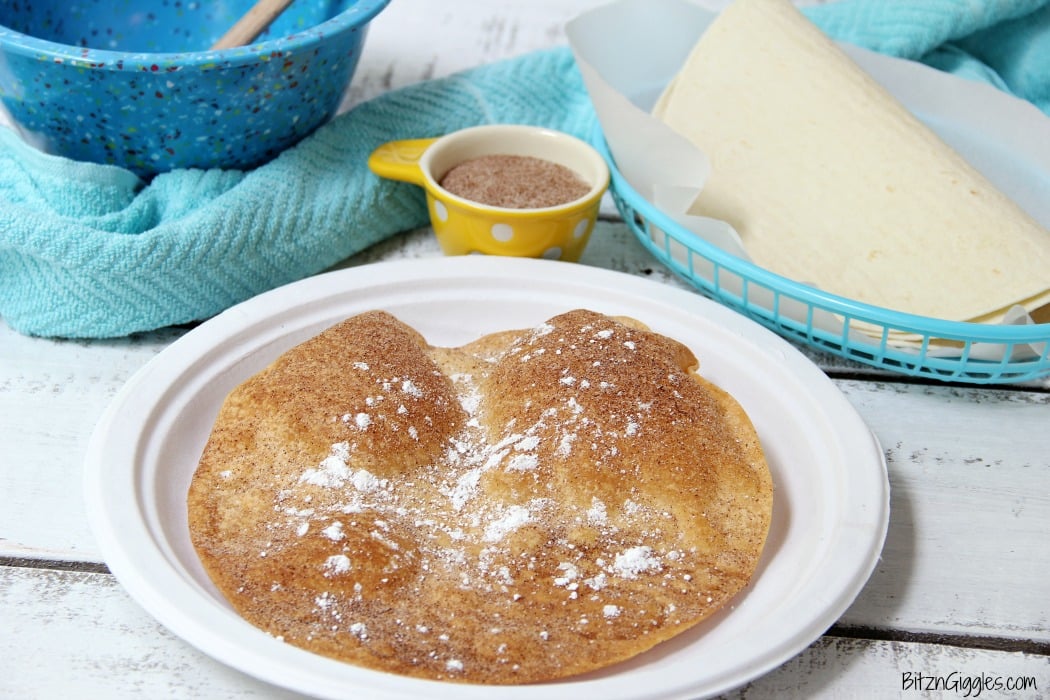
962 590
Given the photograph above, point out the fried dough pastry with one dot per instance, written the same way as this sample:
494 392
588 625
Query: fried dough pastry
533 505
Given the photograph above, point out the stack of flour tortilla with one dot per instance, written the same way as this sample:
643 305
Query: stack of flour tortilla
830 181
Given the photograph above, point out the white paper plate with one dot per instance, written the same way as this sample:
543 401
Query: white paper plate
830 510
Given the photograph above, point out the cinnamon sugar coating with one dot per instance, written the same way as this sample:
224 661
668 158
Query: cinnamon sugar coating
530 506
515 182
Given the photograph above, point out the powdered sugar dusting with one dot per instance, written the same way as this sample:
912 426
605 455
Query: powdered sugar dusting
365 481
332 472
597 514
633 562
408 387
474 511
336 564
509 521
334 531
524 462
465 488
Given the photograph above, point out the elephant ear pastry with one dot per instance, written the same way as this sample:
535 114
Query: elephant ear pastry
536 504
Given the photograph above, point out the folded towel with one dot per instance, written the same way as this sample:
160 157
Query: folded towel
1002 42
92 251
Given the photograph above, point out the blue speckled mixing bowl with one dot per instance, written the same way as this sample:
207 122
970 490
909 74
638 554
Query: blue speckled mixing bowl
132 82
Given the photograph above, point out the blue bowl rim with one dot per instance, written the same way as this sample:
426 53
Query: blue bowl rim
359 14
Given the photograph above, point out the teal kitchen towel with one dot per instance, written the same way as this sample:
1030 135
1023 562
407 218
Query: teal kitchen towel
1002 42
89 251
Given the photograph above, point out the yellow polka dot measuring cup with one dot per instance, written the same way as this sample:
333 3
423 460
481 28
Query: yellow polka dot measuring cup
463 226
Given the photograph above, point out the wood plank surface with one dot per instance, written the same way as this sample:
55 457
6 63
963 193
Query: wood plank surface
85 634
969 507
414 40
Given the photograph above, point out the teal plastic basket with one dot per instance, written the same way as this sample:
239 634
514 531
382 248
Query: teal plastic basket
822 320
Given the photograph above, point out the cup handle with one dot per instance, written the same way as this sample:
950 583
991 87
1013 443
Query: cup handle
399 160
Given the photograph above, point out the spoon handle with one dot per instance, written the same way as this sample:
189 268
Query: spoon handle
253 23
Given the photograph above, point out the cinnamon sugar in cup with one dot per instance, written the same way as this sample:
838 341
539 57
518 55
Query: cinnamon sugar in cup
503 189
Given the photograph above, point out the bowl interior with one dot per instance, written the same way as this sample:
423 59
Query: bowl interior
172 26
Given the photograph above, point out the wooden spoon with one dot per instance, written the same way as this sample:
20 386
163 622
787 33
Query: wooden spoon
252 24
